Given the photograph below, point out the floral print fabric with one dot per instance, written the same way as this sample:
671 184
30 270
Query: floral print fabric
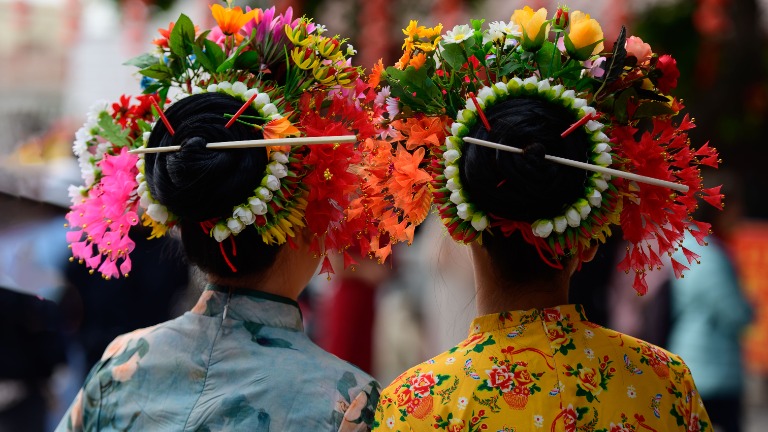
238 361
548 370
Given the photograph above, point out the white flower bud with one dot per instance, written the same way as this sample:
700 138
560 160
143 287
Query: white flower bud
279 157
456 197
239 88
601 137
583 208
595 198
235 225
593 125
455 126
573 217
587 110
451 156
603 159
145 200
578 103
142 188
244 214
277 169
212 88
531 81
258 206
145 136
220 232
464 211
542 228
140 164
453 184
225 85
599 183
271 182
158 212
558 89
250 92
196 90
261 100
568 95
451 171
479 222
544 86
139 179
269 109
602 148
264 193
500 88
485 93
560 224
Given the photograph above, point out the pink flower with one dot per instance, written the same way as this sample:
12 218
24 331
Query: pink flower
638 49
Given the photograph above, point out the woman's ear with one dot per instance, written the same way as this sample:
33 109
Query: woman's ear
589 253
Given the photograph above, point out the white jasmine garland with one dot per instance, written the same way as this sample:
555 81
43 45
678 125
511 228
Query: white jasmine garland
561 223
258 206
543 227
158 212
479 222
464 211
220 232
264 193
573 217
452 184
245 215
235 225
279 157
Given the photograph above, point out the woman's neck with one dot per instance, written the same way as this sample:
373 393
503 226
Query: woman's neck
496 295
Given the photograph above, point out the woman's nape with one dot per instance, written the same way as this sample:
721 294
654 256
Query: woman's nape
509 273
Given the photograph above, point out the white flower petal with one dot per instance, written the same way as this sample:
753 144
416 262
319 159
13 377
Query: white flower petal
158 212
543 228
235 225
258 206
220 232
245 215
479 222
595 198
573 217
239 88
456 197
560 224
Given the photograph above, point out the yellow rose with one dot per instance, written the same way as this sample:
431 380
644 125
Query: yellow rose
535 27
585 37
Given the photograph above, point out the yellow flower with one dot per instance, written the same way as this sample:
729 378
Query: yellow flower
535 27
158 229
413 29
585 37
230 21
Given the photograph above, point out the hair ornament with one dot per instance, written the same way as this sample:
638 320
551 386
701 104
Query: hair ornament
644 171
310 179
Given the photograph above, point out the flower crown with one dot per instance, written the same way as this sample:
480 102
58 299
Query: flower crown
243 56
619 98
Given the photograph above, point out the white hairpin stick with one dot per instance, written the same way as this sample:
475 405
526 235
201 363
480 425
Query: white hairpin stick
586 166
258 143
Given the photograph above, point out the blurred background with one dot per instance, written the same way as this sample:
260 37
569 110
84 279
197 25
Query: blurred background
57 57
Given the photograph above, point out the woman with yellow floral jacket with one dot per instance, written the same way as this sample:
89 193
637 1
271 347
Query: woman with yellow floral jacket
551 141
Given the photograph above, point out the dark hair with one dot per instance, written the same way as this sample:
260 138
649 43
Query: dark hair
198 184
523 187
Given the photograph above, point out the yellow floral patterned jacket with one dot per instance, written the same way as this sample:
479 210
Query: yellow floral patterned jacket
544 370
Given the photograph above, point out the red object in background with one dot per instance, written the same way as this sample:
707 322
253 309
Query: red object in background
749 247
347 314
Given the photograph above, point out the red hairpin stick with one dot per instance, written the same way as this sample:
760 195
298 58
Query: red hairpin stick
480 111
162 116
582 121
240 111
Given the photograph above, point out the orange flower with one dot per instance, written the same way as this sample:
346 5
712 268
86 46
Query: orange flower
165 33
230 20
418 60
403 62
375 77
279 128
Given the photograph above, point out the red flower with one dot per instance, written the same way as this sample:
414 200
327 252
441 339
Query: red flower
669 73
499 377
422 383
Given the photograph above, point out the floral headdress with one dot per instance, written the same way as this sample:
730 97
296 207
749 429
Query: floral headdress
620 99
286 69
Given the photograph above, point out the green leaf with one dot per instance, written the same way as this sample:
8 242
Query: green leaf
454 55
143 61
214 52
111 131
204 60
652 109
247 60
183 33
548 59
157 71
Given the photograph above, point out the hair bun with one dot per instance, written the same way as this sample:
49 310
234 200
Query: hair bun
198 183
534 153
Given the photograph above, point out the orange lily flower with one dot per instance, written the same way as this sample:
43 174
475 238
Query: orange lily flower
279 128
165 33
230 20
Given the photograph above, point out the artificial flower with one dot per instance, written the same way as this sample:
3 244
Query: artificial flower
561 19
585 37
667 65
162 41
418 60
231 20
279 128
375 77
534 26
638 49
459 34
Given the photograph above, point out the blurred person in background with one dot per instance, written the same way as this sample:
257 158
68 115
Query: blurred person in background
709 313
